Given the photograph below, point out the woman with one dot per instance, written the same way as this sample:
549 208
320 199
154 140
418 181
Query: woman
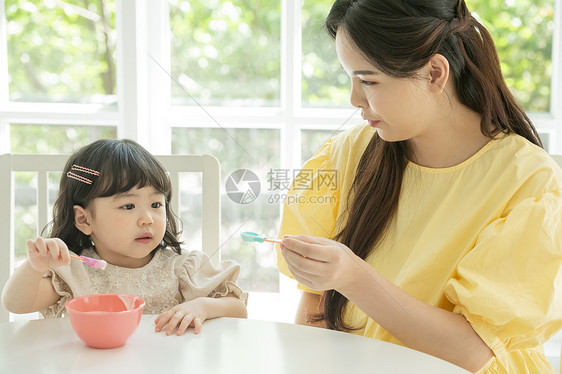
447 225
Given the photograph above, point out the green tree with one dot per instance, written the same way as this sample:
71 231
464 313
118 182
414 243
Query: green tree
226 52
60 51
522 31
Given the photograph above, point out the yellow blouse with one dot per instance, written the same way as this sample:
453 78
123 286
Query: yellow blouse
482 238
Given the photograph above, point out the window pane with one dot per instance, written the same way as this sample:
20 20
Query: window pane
25 208
226 52
44 139
54 139
257 151
324 82
61 51
522 31
545 139
312 140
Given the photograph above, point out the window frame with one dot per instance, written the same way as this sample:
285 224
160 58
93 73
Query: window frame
144 111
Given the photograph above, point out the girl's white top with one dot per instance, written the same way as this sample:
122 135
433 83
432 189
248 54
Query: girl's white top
167 280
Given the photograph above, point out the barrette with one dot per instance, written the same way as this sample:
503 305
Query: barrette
78 177
83 170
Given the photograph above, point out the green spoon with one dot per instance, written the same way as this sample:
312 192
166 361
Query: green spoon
248 236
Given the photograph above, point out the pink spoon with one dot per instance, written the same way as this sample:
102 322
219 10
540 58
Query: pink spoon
98 264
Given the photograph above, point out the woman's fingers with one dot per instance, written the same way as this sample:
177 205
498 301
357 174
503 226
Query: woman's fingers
306 271
319 263
328 251
308 250
309 239
303 278
308 265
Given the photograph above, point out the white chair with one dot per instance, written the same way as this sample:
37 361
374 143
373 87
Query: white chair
207 165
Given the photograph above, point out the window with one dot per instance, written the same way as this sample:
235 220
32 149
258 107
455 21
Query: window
254 82
61 52
226 53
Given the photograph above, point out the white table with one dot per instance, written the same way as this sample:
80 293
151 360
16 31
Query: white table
225 345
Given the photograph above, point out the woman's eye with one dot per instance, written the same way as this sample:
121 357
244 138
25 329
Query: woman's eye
128 206
366 83
157 205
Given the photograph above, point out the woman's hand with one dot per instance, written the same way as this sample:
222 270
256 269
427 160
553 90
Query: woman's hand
45 254
191 313
319 263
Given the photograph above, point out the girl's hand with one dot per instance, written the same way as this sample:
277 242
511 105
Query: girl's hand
191 313
319 263
45 254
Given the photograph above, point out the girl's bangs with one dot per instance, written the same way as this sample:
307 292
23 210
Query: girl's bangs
124 174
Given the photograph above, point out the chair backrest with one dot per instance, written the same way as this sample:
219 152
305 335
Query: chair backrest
207 165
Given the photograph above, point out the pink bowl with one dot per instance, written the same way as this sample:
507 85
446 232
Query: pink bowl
105 320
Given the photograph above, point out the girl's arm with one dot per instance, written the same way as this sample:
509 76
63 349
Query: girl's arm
323 264
195 312
309 306
27 291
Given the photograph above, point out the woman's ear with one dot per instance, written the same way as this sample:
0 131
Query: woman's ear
82 219
439 71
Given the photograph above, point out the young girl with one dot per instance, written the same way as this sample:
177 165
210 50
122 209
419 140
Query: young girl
114 205
447 224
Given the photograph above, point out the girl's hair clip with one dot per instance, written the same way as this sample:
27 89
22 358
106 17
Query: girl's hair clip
84 170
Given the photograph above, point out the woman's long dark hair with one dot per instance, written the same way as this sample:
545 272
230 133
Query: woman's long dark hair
399 37
122 165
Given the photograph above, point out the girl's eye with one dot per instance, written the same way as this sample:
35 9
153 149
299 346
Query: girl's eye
128 206
157 205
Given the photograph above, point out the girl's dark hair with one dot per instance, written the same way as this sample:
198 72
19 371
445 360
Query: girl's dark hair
122 165
399 37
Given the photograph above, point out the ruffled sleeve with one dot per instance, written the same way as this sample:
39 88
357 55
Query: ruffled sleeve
312 203
509 287
69 282
316 200
199 278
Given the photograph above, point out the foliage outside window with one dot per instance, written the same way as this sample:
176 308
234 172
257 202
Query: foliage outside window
61 51
224 53
522 31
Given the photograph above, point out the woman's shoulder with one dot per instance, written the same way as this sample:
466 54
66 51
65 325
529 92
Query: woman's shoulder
354 138
527 160
347 147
